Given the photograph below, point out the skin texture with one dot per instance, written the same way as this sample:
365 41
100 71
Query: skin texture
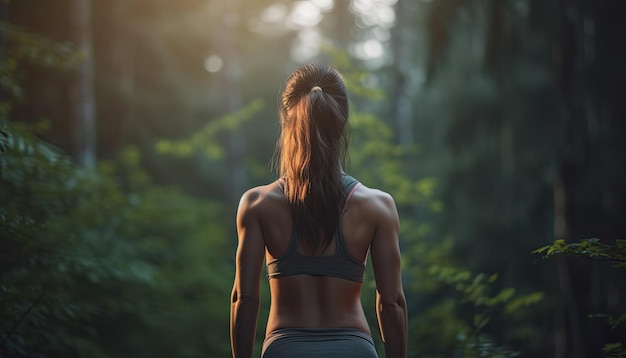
264 227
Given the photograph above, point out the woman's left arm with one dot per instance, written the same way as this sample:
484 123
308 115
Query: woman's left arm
244 307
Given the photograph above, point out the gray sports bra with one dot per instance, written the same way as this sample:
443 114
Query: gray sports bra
340 264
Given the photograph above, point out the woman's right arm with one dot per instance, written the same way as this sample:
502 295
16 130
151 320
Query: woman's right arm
391 307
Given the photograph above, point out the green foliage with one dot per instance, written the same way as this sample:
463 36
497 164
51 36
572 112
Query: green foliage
591 248
594 249
99 263
107 263
23 47
37 262
473 304
614 350
486 123
107 257
34 48
207 140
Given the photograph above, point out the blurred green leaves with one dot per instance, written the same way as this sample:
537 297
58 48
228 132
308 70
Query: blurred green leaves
614 350
207 140
100 263
36 49
105 248
475 296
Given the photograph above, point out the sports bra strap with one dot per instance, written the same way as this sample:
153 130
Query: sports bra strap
340 264
354 188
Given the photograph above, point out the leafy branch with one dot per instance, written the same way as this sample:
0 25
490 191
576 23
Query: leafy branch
594 249
478 291
590 248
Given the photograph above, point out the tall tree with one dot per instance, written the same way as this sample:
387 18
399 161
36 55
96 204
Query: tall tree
581 129
124 61
590 194
404 66
82 93
490 60
568 334
226 41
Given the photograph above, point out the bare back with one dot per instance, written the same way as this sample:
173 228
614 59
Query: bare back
318 301
264 226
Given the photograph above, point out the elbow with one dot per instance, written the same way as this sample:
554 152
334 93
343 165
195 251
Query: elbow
392 320
396 303
238 298
392 306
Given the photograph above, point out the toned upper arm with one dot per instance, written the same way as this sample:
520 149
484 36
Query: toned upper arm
385 248
250 247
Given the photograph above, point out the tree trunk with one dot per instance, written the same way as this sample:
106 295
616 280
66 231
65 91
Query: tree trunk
124 62
590 162
82 96
404 62
569 339
226 41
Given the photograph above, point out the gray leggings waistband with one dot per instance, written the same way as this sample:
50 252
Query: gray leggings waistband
318 342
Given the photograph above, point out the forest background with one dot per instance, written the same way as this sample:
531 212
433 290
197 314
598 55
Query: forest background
129 129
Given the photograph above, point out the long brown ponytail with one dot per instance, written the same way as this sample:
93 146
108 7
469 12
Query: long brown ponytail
310 150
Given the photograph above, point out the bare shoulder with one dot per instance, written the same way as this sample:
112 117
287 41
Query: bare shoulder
373 216
375 203
260 198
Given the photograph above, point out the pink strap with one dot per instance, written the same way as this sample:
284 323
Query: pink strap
354 188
